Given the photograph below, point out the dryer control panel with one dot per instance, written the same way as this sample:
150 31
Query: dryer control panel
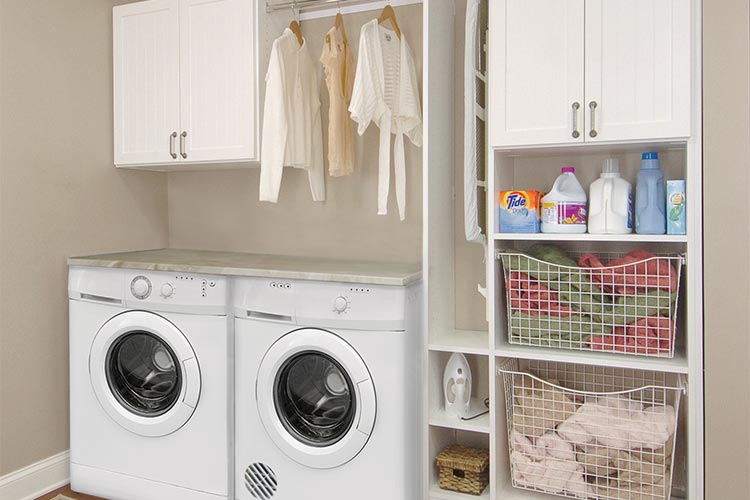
321 304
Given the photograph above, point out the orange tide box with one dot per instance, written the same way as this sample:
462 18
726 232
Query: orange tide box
519 211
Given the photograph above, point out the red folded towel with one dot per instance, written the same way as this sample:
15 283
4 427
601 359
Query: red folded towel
635 272
652 335
532 297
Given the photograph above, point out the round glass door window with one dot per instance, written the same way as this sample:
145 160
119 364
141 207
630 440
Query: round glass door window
314 399
144 374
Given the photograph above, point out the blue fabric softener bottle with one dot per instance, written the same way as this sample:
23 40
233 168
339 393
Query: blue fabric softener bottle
650 197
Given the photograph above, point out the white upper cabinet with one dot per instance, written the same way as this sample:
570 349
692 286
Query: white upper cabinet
185 83
536 71
146 83
573 71
638 69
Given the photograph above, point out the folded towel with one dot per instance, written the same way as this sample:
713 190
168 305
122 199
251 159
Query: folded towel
635 272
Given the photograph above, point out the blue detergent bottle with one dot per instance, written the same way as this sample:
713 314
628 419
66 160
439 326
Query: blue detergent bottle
650 197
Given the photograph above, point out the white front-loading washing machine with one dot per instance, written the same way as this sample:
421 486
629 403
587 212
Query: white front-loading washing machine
327 391
151 357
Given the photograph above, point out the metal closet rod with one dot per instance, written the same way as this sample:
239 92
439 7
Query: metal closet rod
312 4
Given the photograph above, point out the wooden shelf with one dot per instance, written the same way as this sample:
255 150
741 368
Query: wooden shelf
439 494
636 238
465 341
440 418
678 364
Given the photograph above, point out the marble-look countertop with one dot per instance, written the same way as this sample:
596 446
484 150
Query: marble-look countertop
264 266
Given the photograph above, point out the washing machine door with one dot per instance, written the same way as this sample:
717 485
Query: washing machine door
144 373
316 398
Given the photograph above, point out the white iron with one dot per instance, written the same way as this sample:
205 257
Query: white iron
457 386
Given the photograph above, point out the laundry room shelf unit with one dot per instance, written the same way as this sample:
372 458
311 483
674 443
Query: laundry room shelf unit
534 164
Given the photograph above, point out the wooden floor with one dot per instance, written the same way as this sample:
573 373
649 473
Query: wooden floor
65 490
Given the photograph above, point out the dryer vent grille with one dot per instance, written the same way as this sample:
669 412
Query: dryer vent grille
260 481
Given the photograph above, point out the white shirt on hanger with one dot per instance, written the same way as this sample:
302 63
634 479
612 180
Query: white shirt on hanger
292 129
386 92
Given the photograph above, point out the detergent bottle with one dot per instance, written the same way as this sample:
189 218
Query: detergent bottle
610 202
650 197
564 207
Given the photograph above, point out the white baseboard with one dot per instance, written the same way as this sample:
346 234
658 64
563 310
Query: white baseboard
36 479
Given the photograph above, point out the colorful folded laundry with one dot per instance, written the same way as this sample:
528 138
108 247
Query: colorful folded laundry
635 272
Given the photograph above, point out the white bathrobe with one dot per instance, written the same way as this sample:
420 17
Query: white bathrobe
292 130
386 92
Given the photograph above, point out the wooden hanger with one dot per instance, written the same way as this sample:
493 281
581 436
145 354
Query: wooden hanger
294 26
389 15
339 25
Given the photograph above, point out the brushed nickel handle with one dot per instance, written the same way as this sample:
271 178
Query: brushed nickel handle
171 145
182 144
592 107
576 134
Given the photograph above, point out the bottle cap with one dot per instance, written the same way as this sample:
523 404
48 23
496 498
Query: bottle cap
568 170
611 166
651 155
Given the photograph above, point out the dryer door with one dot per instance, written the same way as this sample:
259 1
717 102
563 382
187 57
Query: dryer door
316 398
144 373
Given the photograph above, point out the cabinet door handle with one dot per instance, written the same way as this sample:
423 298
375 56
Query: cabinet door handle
592 107
576 134
171 145
182 144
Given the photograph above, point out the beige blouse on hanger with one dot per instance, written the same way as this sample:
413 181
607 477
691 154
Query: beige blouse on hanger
338 62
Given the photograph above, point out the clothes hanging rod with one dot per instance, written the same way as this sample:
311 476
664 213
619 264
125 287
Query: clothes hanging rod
315 9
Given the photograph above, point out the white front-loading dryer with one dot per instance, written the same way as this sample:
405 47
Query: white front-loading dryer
151 378
327 391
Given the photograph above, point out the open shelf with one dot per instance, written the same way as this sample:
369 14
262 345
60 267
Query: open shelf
466 341
637 238
439 494
678 364
439 418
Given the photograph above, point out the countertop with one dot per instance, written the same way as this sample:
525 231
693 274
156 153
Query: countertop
256 265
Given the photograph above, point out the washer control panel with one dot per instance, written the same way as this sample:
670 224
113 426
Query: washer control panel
177 289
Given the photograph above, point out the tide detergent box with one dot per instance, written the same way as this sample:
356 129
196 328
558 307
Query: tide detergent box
676 207
519 211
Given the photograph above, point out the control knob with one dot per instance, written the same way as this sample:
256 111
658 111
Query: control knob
140 287
340 304
167 290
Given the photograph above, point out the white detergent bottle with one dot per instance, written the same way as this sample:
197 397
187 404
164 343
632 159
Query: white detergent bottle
610 201
564 207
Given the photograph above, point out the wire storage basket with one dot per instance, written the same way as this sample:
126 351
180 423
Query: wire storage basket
626 306
591 432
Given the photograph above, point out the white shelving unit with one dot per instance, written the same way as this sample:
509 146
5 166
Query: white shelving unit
535 166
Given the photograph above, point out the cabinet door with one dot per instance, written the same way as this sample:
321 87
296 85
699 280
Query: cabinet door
536 72
638 69
146 81
218 80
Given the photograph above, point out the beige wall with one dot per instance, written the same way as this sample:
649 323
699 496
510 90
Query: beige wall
221 211
727 247
59 196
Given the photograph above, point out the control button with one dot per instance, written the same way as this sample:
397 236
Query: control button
140 287
340 304
167 290
212 284
203 294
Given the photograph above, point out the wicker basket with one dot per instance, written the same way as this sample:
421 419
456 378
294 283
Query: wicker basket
464 469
